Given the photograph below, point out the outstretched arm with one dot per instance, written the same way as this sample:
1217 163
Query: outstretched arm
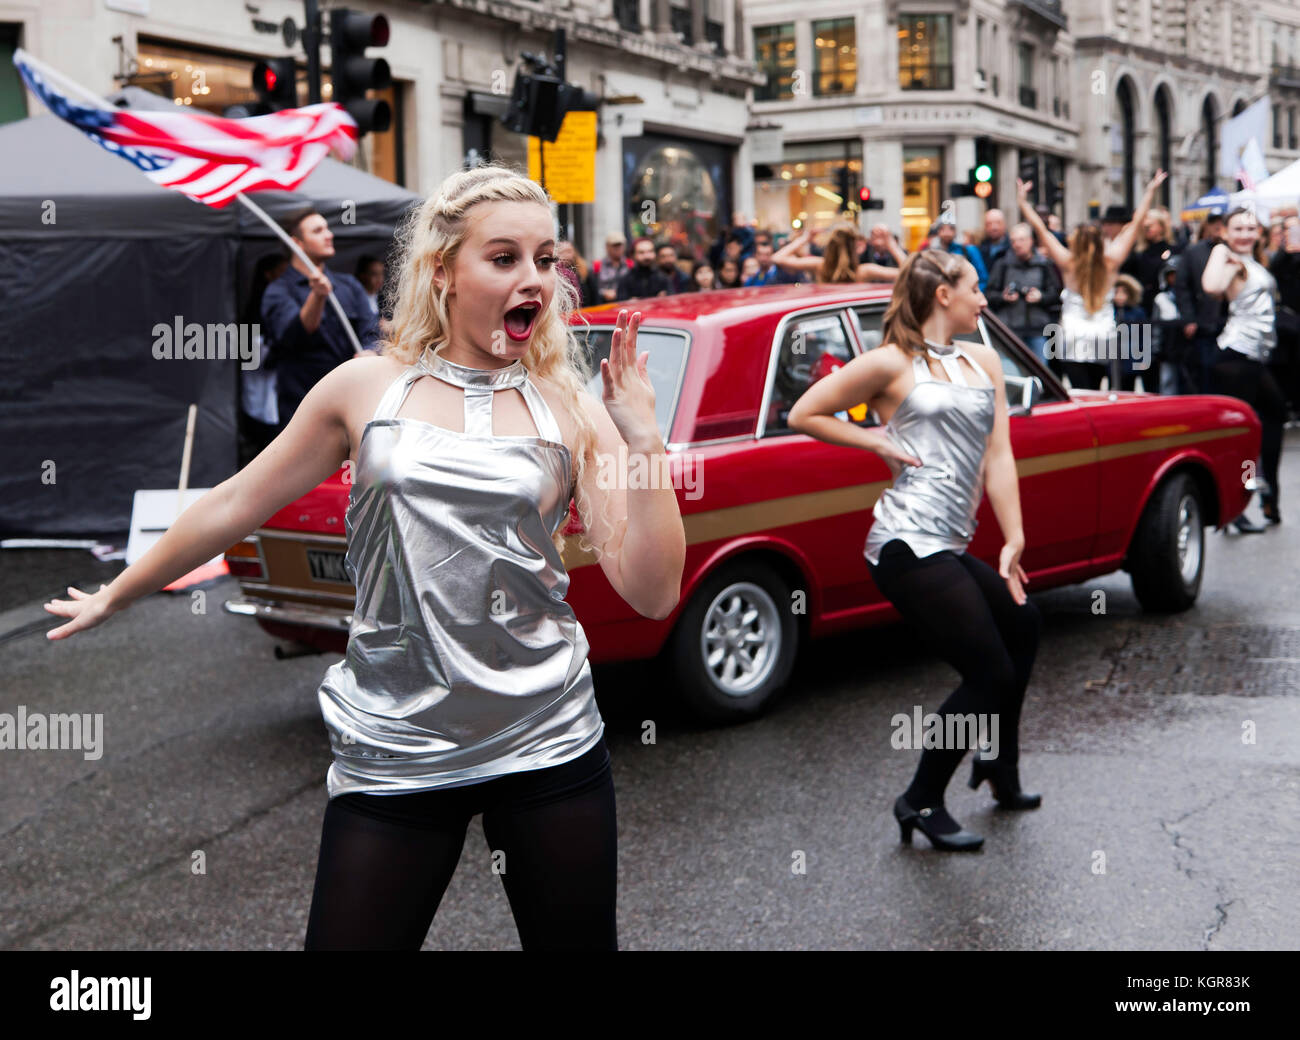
1058 253
788 258
311 448
1119 247
877 273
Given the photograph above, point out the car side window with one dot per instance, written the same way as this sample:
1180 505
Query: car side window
811 348
1014 371
870 327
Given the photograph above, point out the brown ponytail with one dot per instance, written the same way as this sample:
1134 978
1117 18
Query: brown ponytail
913 300
840 260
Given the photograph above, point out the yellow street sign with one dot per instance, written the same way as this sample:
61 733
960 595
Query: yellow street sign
570 159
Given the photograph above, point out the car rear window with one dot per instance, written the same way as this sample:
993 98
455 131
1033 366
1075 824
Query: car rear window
667 350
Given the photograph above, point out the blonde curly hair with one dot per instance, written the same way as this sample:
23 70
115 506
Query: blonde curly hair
422 320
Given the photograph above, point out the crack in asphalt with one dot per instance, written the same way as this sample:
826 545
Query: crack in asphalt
154 868
1116 655
1221 906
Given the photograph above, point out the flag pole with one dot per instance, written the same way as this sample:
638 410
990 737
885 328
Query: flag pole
262 215
99 102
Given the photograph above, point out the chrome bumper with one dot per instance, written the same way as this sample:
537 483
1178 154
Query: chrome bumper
331 619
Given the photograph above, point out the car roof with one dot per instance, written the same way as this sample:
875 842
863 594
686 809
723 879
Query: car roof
717 305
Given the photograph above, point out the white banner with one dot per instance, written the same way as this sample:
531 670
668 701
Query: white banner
1254 122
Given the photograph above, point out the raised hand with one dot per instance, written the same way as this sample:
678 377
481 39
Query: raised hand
629 395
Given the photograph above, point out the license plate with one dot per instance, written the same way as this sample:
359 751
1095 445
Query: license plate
328 566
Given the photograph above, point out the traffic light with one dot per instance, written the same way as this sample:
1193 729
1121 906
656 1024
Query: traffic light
539 103
535 106
981 175
353 74
867 202
842 186
275 81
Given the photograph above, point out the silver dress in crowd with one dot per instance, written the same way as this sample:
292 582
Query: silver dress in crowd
1251 327
463 660
946 425
1086 334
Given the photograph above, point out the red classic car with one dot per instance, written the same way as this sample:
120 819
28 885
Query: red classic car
775 520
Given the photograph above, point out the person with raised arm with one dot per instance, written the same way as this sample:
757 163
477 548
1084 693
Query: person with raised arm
1089 266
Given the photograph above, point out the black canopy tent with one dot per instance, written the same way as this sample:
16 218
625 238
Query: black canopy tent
93 256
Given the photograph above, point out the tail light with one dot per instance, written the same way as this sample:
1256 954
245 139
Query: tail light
245 559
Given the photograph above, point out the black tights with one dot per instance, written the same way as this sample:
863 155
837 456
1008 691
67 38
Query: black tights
386 859
1246 379
963 607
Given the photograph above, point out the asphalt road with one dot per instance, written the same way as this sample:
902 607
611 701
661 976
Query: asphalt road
1132 730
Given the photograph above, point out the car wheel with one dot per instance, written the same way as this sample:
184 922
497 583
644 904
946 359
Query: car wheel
1167 557
734 646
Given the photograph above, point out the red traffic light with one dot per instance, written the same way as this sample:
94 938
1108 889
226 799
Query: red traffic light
268 77
864 194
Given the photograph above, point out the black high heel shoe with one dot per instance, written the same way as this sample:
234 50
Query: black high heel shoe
1004 781
908 818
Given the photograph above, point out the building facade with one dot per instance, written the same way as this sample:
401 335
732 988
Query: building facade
673 89
906 97
1160 79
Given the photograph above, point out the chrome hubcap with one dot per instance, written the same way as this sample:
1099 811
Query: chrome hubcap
740 638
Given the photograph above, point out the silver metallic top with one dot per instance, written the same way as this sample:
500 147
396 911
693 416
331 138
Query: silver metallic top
463 660
946 425
1086 334
1251 327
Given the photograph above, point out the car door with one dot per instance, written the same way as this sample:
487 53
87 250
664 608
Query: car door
820 495
1055 448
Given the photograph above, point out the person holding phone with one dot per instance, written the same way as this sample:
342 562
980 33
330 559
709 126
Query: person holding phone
946 437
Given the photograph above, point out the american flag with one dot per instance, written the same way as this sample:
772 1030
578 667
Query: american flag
206 157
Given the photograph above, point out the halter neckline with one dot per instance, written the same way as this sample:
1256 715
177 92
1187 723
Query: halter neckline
940 350
511 375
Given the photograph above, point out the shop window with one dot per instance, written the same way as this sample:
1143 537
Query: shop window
835 57
674 197
807 193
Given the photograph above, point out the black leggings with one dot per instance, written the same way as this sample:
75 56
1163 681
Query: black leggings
962 607
386 859
1246 379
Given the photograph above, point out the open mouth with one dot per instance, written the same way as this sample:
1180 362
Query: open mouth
519 320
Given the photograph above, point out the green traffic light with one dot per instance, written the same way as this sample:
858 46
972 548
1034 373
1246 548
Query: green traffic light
983 172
